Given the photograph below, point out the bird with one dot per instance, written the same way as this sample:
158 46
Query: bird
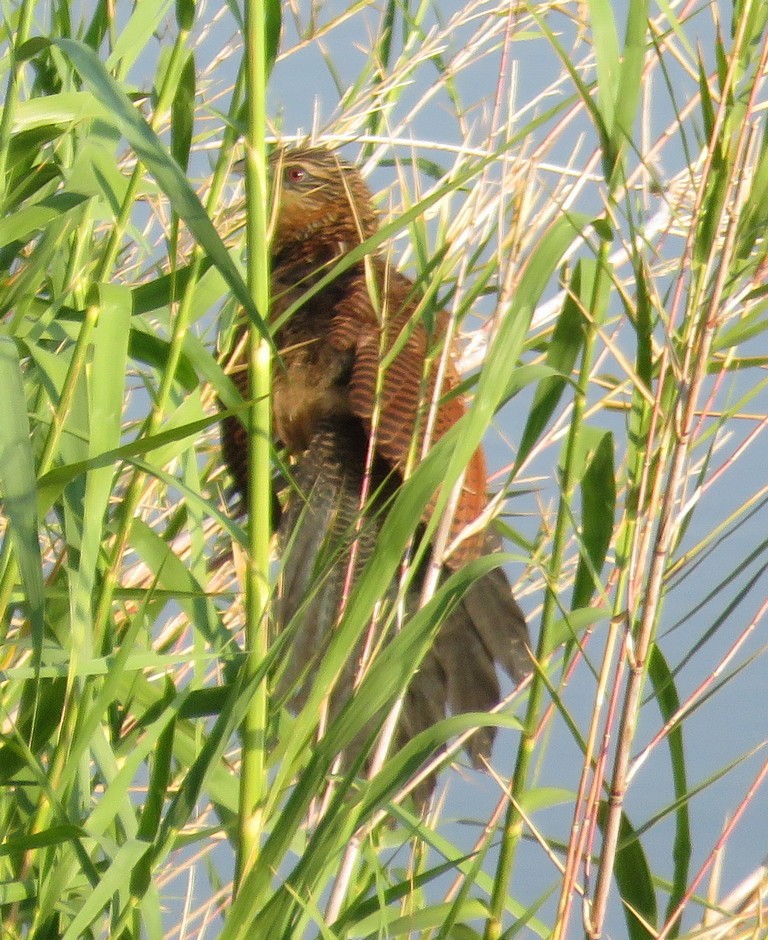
356 372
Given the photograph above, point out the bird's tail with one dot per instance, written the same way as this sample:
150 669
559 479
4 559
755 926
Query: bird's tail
325 544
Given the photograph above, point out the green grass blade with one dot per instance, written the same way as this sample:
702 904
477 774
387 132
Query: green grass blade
17 478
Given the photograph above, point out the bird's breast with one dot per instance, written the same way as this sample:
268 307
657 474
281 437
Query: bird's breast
310 384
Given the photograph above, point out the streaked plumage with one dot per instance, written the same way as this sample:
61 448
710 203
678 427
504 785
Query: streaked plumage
325 398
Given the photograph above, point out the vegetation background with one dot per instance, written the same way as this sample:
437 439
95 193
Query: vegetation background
585 187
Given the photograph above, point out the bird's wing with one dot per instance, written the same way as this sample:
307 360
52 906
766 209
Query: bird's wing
393 402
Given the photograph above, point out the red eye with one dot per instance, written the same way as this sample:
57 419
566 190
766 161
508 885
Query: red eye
294 174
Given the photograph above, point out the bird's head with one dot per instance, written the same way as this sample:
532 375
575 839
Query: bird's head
317 197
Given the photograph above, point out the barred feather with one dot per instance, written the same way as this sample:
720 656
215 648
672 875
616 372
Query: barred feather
331 400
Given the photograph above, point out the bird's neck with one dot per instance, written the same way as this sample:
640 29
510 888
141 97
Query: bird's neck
309 257
320 237
306 252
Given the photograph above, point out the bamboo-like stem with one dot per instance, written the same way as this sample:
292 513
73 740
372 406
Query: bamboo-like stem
62 765
79 356
700 335
736 816
11 98
253 779
513 823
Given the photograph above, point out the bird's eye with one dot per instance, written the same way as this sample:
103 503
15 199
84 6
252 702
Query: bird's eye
295 174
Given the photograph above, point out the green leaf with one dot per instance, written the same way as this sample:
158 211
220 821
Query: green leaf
111 881
707 106
173 576
157 793
605 40
106 392
423 919
574 623
24 223
153 351
66 108
643 324
563 351
183 113
134 35
42 702
51 483
750 324
185 14
54 835
166 171
629 86
598 508
18 487
273 16
668 700
505 351
100 23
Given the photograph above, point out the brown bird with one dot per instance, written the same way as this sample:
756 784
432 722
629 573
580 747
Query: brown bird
331 407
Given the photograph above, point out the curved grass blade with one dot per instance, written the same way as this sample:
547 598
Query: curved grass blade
169 176
17 479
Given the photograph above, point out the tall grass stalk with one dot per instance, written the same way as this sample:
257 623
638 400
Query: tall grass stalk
253 778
